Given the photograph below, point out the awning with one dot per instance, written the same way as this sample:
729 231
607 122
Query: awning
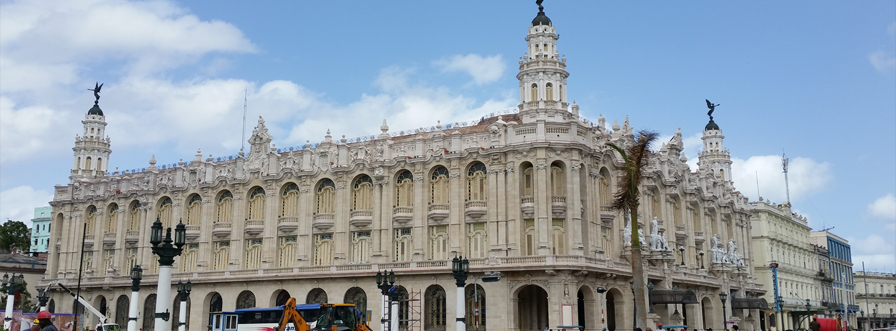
658 297
749 303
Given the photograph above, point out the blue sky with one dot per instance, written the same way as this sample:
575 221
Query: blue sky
814 79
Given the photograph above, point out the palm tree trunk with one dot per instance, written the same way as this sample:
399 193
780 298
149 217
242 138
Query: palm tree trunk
638 278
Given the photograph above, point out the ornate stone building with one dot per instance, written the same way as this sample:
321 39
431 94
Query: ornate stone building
876 298
525 193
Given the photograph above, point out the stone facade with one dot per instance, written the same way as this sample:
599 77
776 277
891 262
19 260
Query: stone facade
876 297
525 193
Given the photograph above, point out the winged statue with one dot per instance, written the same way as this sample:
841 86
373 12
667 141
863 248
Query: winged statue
96 91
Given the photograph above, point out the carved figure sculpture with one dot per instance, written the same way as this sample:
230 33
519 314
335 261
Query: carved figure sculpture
658 242
717 252
627 231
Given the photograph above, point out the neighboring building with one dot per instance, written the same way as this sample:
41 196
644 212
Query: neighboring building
876 296
824 278
840 260
40 229
782 236
32 267
526 194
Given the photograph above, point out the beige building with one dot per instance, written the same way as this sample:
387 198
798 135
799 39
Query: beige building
781 236
524 192
876 298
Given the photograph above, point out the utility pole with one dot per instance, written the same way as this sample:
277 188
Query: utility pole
785 161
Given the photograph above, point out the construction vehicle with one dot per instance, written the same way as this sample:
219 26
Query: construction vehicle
104 324
340 317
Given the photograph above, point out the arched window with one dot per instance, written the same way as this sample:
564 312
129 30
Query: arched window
534 92
436 315
134 216
438 186
477 188
121 310
99 164
78 163
560 95
246 299
189 258
166 210
222 255
290 204
224 210
112 219
175 313
149 309
558 232
549 91
528 181
558 181
361 246
403 307
316 295
477 240
89 164
530 237
288 251
362 193
194 210
253 254
323 249
358 297
403 245
256 204
326 198
404 189
605 192
90 223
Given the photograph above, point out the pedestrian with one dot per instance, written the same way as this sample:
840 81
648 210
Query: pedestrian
43 319
35 326
735 327
815 325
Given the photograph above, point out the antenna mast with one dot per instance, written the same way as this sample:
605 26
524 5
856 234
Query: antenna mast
245 109
784 162
757 186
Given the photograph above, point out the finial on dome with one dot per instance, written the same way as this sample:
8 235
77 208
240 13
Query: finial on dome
384 127
152 160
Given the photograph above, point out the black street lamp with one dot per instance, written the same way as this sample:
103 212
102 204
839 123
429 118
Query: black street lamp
43 295
136 276
681 252
166 252
724 297
861 324
183 290
460 267
11 285
701 260
874 314
386 283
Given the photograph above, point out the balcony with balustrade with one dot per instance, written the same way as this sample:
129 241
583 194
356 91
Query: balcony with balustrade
109 238
287 224
221 230
438 212
361 218
681 232
402 215
254 226
475 209
192 233
527 206
558 206
88 240
132 237
323 221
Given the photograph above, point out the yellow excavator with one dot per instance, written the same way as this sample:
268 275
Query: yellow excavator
333 317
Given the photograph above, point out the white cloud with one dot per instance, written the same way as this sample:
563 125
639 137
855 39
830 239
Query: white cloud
18 203
482 69
884 207
806 177
882 61
876 251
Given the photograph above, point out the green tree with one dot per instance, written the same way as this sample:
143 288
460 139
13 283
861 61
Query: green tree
14 235
23 302
627 201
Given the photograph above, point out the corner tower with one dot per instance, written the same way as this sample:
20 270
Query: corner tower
714 157
542 72
92 150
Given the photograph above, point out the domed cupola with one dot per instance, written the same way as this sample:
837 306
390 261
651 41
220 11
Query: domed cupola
95 110
711 126
541 18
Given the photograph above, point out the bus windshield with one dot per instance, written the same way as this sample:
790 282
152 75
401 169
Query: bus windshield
259 316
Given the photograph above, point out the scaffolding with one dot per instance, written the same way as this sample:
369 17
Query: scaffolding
410 320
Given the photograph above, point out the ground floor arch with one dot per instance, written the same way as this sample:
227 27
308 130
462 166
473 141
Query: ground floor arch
708 317
587 315
532 308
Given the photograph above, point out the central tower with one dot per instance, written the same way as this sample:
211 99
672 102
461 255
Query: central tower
542 71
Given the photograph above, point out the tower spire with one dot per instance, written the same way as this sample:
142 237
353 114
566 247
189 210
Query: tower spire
542 70
91 157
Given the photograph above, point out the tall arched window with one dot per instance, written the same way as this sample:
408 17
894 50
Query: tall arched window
404 189
323 249
326 198
477 240
134 216
89 165
253 254
528 181
256 204
560 94
438 242
166 212
287 251
403 245
558 232
475 301
530 237
362 193
438 186
224 212
533 92
477 187
99 164
90 223
290 198
194 210
436 315
189 258
605 193
549 91
112 219
558 181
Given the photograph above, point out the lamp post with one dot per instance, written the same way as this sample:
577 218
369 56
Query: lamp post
808 306
861 324
43 295
136 276
701 260
681 252
724 297
600 292
166 252
386 283
11 285
460 267
183 291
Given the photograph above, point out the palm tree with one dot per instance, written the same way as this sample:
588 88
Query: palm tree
626 200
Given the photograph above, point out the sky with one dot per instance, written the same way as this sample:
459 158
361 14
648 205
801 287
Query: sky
813 79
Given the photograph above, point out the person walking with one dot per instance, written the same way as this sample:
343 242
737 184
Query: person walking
815 325
43 319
